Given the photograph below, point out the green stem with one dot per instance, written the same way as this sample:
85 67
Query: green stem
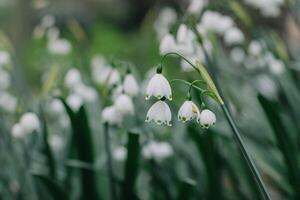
113 194
246 156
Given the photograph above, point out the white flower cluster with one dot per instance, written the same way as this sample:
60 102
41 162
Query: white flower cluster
160 112
8 102
56 142
79 92
120 153
56 45
157 150
268 8
195 7
165 20
122 94
28 123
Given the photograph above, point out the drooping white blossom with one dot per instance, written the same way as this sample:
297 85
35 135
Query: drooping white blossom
120 153
8 102
188 111
130 85
166 18
157 150
75 101
237 54
29 122
124 104
111 115
160 113
255 48
48 21
196 6
4 58
167 44
266 86
17 131
105 75
56 106
234 36
59 46
87 93
159 87
207 118
56 142
4 79
216 22
72 78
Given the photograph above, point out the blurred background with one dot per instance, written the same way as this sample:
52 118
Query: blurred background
63 62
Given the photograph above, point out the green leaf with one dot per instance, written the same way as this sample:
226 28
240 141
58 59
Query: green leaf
186 189
54 191
286 146
131 166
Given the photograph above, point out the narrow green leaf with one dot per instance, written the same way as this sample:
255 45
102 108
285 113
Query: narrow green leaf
186 189
131 166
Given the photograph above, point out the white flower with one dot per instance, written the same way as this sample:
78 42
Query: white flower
188 111
59 46
237 54
234 36
184 34
98 61
214 21
75 101
159 113
8 102
17 131
276 66
130 85
255 48
117 91
112 116
48 21
196 6
159 87
124 104
4 79
167 44
72 78
207 118
157 150
266 86
88 94
56 106
56 142
105 74
120 153
4 58
167 17
30 122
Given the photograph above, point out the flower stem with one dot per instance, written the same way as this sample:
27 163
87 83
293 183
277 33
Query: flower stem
246 156
113 194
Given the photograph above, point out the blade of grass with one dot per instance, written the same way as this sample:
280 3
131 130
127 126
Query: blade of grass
186 189
131 166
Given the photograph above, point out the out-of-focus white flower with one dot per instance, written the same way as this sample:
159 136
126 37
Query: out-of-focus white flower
188 111
255 48
237 54
157 150
4 58
4 79
159 113
30 122
166 18
59 46
8 102
130 85
207 118
53 33
72 78
75 101
234 36
159 87
196 6
117 91
98 61
56 106
112 116
56 142
214 21
87 93
124 104
268 8
48 21
105 75
17 131
184 34
276 66
267 87
120 153
167 44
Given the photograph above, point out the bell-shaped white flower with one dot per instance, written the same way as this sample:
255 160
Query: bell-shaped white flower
159 87
157 150
237 54
75 101
56 142
130 85
5 80
124 104
188 111
112 116
196 6
17 131
56 106
72 78
47 21
59 46
8 102
30 122
207 118
167 44
88 94
234 36
159 113
105 75
120 153
4 58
